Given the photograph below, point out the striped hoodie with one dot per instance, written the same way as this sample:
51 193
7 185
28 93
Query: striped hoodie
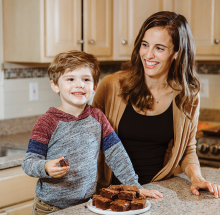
79 139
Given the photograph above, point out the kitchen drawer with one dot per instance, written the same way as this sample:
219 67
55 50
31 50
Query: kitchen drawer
16 186
18 209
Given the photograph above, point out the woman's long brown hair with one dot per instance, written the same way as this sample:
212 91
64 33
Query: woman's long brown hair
182 75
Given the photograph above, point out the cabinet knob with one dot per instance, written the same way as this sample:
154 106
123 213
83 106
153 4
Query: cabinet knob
80 41
216 41
124 42
92 41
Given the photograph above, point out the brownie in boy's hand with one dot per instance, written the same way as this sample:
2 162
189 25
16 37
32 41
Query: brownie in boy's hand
64 162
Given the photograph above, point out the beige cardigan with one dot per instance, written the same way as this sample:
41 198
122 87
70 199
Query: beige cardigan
181 151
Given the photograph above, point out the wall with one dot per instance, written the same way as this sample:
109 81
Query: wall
1 62
16 91
16 88
16 97
210 105
213 99
210 72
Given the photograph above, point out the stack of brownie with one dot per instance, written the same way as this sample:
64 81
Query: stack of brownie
119 198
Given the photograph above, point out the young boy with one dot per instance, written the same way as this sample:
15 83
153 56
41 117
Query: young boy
74 131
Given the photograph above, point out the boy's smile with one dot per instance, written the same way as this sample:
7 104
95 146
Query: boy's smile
75 88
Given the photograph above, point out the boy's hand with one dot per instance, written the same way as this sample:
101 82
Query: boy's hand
53 170
151 193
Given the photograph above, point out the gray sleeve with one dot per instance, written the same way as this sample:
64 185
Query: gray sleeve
118 160
33 165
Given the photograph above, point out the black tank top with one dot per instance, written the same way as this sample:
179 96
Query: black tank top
145 139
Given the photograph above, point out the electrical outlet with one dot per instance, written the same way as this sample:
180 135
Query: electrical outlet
33 91
204 87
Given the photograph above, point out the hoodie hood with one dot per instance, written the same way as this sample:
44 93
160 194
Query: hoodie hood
69 117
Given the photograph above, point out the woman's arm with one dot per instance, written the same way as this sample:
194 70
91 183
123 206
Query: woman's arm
198 182
190 163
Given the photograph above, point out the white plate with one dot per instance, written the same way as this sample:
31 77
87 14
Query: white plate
106 212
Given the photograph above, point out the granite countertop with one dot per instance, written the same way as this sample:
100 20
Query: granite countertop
17 141
177 199
21 140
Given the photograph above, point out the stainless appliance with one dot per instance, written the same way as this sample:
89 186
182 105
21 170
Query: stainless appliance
208 147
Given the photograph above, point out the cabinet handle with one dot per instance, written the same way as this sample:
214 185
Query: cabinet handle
80 41
124 42
216 41
92 41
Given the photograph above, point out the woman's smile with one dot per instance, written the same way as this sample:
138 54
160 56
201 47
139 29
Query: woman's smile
151 64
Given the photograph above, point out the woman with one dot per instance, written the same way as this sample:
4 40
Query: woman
153 104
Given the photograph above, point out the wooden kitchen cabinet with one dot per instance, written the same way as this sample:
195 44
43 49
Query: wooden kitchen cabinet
24 208
203 17
23 31
129 16
17 191
16 186
63 26
37 30
97 28
204 20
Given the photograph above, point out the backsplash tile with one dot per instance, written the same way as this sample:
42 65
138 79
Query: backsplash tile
25 73
204 68
109 67
18 73
105 67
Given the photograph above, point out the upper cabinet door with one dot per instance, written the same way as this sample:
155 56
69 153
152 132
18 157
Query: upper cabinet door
63 26
97 27
22 30
129 15
204 20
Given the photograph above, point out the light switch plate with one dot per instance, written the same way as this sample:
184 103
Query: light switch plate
204 87
33 91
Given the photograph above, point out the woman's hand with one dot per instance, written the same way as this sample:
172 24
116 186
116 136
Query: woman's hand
151 193
199 182
53 170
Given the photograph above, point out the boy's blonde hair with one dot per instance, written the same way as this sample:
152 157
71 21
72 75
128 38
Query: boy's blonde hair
72 60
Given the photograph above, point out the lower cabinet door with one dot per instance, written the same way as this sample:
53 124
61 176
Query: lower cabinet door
19 209
16 187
